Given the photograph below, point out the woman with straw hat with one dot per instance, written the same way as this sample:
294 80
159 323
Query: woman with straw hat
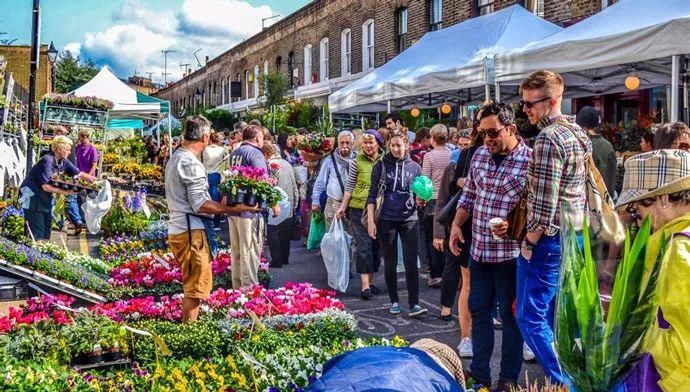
657 184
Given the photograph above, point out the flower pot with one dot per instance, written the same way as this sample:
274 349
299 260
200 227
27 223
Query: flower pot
232 199
263 205
94 357
251 199
112 356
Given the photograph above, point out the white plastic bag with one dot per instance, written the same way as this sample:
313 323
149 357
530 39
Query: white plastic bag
335 250
285 209
96 208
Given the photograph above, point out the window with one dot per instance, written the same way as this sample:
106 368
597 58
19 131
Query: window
368 44
291 68
256 81
606 3
345 52
279 63
436 15
485 6
307 65
323 59
401 25
534 6
246 84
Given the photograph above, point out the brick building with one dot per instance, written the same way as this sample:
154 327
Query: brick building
329 43
18 61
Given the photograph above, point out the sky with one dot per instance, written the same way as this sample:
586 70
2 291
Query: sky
129 35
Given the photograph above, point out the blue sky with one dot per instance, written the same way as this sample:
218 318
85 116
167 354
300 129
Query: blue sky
129 35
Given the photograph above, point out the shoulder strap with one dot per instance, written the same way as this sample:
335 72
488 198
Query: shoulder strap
337 173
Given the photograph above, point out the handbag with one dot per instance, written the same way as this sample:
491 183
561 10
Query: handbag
517 217
447 213
381 188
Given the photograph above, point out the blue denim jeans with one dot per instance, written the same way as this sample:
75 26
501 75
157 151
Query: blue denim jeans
489 283
537 285
72 209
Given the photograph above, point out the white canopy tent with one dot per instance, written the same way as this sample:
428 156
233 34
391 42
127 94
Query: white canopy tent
640 37
444 65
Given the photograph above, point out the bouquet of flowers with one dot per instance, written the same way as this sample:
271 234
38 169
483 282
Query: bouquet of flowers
314 146
250 185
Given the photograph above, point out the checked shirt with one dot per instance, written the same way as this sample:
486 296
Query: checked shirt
492 192
556 175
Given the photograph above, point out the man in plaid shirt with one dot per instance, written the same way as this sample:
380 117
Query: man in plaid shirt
556 179
495 181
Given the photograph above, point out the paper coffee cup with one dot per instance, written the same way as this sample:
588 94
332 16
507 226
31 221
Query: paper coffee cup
493 222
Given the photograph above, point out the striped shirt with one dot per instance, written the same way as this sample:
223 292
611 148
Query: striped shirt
492 191
556 174
433 166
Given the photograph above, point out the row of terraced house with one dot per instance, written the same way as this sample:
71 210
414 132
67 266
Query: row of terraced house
329 43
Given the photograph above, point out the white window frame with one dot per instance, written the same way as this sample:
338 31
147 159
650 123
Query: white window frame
368 44
324 51
265 74
222 91
307 64
485 6
256 81
402 20
246 84
346 52
435 15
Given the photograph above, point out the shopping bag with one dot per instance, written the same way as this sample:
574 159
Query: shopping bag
285 209
335 250
96 208
317 228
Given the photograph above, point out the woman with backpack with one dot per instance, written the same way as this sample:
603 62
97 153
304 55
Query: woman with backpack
391 179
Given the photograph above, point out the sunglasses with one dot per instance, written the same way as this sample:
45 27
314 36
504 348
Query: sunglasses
492 132
530 105
632 207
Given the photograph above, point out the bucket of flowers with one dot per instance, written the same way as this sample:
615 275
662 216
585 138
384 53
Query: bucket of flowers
314 146
249 185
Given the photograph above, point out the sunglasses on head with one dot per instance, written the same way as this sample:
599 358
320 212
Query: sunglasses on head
530 104
492 132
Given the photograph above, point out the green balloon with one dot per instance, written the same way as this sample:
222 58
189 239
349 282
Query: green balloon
422 187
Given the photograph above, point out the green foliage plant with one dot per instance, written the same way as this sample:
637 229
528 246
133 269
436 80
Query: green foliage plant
594 349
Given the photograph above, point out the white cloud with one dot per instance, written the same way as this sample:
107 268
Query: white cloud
138 35
74 48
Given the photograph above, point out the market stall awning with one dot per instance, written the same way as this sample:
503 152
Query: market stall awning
447 61
597 54
131 106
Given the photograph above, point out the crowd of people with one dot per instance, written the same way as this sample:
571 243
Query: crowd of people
463 237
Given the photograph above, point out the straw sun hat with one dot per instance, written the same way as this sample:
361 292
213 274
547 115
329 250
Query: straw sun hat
653 174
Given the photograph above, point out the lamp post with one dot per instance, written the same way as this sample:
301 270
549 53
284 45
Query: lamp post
33 68
52 57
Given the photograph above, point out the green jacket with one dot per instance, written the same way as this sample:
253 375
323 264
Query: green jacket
363 164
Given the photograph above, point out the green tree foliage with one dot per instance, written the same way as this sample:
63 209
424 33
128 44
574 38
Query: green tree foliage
71 72
275 87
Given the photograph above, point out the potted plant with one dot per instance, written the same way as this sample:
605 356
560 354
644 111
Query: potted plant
113 341
83 337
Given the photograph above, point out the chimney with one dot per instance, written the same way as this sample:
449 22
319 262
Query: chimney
206 60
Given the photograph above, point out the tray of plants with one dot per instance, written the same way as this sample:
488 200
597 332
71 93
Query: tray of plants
78 185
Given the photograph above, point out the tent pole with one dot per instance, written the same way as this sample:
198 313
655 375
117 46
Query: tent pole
388 106
487 92
675 76
498 92
169 134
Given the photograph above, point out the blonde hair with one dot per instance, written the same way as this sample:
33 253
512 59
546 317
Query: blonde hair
398 134
59 141
547 81
84 132
439 133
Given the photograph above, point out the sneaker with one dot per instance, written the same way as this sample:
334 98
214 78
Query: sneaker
497 324
395 308
527 353
417 311
374 290
504 385
366 294
465 348
434 282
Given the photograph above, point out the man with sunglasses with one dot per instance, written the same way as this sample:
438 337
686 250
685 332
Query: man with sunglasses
496 178
555 179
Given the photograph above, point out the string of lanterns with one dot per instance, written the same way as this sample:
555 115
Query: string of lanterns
445 109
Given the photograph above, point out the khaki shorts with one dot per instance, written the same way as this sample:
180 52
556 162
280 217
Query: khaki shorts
195 261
